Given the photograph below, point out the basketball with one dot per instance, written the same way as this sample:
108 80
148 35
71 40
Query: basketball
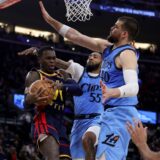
48 91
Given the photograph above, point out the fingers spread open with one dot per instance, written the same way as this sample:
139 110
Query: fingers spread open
130 128
40 91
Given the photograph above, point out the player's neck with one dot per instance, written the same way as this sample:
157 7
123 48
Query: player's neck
48 72
95 71
121 43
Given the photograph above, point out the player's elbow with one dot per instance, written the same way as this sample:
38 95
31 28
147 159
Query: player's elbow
134 89
129 90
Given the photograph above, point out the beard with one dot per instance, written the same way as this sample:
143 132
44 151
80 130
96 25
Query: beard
112 39
92 67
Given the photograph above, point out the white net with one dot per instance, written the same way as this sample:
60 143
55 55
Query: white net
78 10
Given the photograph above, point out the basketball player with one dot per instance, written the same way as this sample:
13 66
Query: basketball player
119 81
139 137
87 107
48 129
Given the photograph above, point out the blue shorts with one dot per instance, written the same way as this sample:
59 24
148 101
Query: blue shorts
78 130
46 123
114 137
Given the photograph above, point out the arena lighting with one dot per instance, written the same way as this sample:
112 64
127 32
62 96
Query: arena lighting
138 45
142 45
2 25
148 116
114 9
38 33
29 31
18 100
55 37
32 32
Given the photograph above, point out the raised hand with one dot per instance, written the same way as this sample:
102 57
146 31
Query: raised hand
45 14
105 92
29 51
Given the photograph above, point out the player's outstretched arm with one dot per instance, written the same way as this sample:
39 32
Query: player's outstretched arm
34 51
139 137
28 51
73 35
74 69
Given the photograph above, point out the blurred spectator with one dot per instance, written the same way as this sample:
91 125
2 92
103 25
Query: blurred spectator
2 154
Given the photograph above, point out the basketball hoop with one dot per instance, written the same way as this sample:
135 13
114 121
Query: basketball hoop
78 10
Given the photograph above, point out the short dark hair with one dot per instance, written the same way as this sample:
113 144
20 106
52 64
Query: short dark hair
45 48
131 25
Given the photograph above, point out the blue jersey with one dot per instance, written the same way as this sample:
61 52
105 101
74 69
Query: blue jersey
113 76
90 101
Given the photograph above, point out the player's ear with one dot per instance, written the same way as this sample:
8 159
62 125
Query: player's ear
124 33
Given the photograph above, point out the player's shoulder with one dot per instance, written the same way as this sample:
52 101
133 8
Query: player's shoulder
127 52
34 74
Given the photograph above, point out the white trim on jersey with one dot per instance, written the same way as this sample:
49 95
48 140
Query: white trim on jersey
76 70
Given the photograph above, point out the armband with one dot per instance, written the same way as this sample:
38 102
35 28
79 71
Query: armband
131 86
63 30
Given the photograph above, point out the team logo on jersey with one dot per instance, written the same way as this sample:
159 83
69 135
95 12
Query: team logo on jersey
111 139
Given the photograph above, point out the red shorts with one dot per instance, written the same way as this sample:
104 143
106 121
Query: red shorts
46 123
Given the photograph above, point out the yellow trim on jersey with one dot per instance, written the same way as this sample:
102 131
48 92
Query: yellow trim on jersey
64 155
58 92
61 96
55 95
41 76
47 74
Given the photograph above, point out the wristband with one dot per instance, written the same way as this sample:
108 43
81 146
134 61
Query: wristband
63 30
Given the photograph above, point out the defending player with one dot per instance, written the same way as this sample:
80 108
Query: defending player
120 81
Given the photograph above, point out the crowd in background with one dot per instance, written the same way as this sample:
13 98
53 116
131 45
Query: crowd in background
15 140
